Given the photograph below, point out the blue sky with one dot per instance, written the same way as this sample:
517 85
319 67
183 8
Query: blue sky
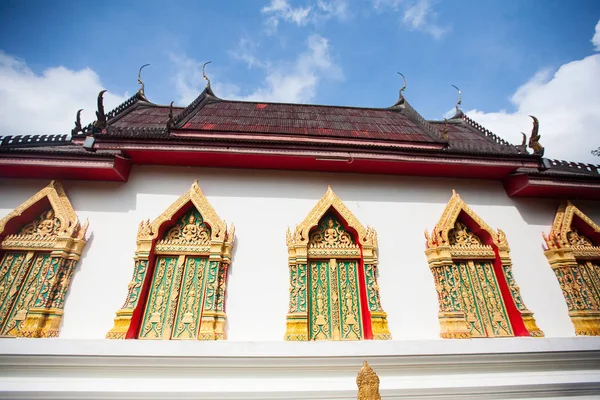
502 54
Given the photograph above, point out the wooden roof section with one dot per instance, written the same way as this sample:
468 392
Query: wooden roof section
214 132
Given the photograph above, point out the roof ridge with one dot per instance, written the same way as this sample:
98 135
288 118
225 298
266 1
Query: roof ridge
204 97
412 113
151 130
487 133
113 113
550 163
34 140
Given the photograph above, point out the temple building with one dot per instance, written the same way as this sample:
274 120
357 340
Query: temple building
256 250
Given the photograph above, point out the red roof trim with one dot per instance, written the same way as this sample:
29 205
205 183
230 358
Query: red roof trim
530 186
27 166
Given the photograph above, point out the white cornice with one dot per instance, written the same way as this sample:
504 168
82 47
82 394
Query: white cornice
442 369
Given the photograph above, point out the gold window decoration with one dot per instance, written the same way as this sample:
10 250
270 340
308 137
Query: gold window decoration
40 244
574 255
334 293
472 271
180 272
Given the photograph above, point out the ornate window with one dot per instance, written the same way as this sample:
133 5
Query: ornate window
333 277
472 270
180 273
40 243
574 255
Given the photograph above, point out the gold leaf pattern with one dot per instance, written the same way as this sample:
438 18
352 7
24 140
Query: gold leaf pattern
574 259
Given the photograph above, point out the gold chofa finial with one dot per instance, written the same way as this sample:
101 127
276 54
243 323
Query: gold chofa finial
368 383
403 86
204 75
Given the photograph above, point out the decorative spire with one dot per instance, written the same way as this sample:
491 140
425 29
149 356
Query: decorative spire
204 75
458 113
445 130
523 146
171 121
78 127
401 96
534 143
368 383
140 94
100 115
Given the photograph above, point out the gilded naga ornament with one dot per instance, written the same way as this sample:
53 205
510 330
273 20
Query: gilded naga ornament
368 383
469 273
185 271
575 259
331 257
37 263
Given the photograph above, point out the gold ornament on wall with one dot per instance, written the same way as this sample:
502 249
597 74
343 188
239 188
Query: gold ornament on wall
179 279
37 263
469 274
575 261
368 383
332 260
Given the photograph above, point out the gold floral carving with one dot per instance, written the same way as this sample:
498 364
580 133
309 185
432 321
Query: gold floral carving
320 238
576 263
199 253
37 263
368 383
465 280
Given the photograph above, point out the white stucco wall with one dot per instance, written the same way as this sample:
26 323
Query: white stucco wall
261 204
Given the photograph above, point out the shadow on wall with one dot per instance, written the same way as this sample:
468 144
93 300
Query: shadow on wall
78 266
305 185
111 197
536 211
230 273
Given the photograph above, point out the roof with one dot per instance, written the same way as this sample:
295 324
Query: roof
211 131
209 113
467 136
70 149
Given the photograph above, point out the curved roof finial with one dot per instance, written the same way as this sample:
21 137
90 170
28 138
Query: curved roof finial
204 75
404 86
78 127
100 115
458 113
459 101
140 92
534 139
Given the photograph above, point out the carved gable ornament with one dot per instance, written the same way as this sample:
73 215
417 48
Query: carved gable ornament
368 383
40 244
472 271
334 293
574 256
179 279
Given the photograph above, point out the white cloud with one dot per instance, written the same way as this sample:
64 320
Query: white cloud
285 81
416 15
566 103
282 10
333 8
246 51
596 37
47 103
421 17
381 5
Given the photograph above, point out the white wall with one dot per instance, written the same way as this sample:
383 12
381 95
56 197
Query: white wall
261 204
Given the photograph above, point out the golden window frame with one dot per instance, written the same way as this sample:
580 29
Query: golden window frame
299 253
441 256
570 254
149 241
64 244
